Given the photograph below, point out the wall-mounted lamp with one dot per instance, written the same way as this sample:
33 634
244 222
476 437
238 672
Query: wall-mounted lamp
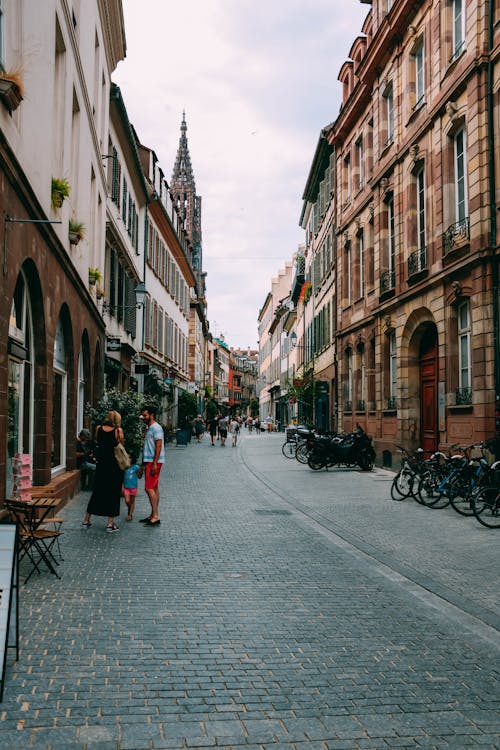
140 298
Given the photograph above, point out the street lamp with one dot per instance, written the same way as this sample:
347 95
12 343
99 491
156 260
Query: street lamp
140 298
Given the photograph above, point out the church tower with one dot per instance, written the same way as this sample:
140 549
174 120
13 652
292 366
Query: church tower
183 189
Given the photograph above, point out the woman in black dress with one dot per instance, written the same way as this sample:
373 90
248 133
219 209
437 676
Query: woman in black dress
105 499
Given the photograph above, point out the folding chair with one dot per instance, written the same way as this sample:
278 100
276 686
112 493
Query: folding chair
35 542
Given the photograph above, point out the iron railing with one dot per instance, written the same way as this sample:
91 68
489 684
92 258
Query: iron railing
463 396
348 406
387 281
361 405
391 402
455 235
417 261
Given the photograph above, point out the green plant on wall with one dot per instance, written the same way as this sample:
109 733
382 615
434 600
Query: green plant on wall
211 409
60 191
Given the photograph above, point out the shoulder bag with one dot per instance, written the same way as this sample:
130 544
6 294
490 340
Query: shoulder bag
121 456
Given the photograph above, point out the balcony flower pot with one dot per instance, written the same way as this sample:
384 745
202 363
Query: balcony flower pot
76 231
94 276
11 89
59 191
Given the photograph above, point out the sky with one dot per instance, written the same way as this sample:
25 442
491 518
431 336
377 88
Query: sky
258 82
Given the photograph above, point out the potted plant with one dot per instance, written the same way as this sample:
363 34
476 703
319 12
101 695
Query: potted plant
94 276
60 191
11 89
76 231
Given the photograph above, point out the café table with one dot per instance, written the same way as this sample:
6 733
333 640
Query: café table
35 541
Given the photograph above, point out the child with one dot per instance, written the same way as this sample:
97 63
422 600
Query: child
130 481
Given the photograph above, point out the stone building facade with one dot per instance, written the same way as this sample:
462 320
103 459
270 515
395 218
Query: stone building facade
416 186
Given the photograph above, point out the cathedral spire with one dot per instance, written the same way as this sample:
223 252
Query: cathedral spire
183 189
183 171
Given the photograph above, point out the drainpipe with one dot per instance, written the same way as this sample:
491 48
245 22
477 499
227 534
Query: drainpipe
493 219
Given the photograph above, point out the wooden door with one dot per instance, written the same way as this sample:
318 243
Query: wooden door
429 433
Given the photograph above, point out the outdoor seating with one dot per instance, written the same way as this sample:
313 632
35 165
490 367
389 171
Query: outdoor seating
36 541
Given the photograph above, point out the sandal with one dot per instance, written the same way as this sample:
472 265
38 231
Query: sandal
112 528
86 523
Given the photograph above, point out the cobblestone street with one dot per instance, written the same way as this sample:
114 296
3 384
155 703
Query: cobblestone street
274 607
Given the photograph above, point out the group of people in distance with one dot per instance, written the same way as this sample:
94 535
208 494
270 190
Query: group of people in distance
220 425
108 481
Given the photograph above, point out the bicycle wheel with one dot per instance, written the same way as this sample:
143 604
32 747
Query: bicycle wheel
288 449
402 485
302 453
316 462
459 493
486 506
429 492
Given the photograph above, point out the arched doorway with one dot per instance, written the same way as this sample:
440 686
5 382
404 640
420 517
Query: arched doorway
428 375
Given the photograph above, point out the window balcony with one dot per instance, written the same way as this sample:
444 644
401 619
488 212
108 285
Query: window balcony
348 406
391 402
457 235
463 396
417 265
387 283
361 405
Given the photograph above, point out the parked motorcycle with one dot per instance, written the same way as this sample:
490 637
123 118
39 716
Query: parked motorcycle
354 449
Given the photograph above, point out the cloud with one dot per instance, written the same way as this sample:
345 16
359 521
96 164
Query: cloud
258 82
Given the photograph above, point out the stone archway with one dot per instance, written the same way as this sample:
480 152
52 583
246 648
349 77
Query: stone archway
418 370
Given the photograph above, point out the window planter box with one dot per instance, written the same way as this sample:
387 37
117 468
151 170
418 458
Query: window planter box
10 91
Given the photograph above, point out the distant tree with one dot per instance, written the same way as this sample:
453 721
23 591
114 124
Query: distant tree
254 407
211 409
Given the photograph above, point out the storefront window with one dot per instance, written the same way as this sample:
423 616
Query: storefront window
59 402
20 380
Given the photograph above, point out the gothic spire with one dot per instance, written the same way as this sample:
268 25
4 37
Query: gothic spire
183 171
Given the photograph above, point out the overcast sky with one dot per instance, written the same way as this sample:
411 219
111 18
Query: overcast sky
258 81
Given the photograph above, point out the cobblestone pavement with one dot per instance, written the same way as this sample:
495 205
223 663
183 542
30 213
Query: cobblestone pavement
274 607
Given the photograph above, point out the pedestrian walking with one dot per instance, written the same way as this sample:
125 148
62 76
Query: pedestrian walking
212 428
199 428
152 460
222 426
105 498
234 429
130 483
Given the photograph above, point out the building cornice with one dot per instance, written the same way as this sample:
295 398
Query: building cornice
113 30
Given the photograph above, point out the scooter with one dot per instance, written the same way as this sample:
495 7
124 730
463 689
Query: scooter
355 449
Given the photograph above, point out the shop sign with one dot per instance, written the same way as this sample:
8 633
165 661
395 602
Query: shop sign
113 345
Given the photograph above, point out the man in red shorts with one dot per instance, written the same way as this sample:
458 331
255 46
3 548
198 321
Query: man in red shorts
152 461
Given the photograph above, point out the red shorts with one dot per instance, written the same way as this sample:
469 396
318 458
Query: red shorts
130 491
151 480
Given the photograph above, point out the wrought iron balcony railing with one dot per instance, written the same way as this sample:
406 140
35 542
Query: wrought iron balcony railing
387 281
348 406
456 234
361 405
391 402
417 261
463 396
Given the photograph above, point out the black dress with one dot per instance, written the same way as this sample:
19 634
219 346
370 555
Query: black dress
105 499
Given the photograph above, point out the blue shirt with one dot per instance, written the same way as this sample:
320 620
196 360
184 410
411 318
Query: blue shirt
153 433
130 479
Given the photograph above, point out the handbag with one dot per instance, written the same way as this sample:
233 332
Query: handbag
121 456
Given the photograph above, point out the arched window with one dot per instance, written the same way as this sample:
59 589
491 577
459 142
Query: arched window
20 378
59 392
81 393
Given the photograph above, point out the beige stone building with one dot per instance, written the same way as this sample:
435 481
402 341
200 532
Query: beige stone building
417 192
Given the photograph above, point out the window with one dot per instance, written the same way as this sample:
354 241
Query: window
80 406
59 391
360 163
348 271
362 379
393 370
421 209
361 254
464 394
20 382
460 157
419 77
392 237
347 178
348 382
458 28
388 114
